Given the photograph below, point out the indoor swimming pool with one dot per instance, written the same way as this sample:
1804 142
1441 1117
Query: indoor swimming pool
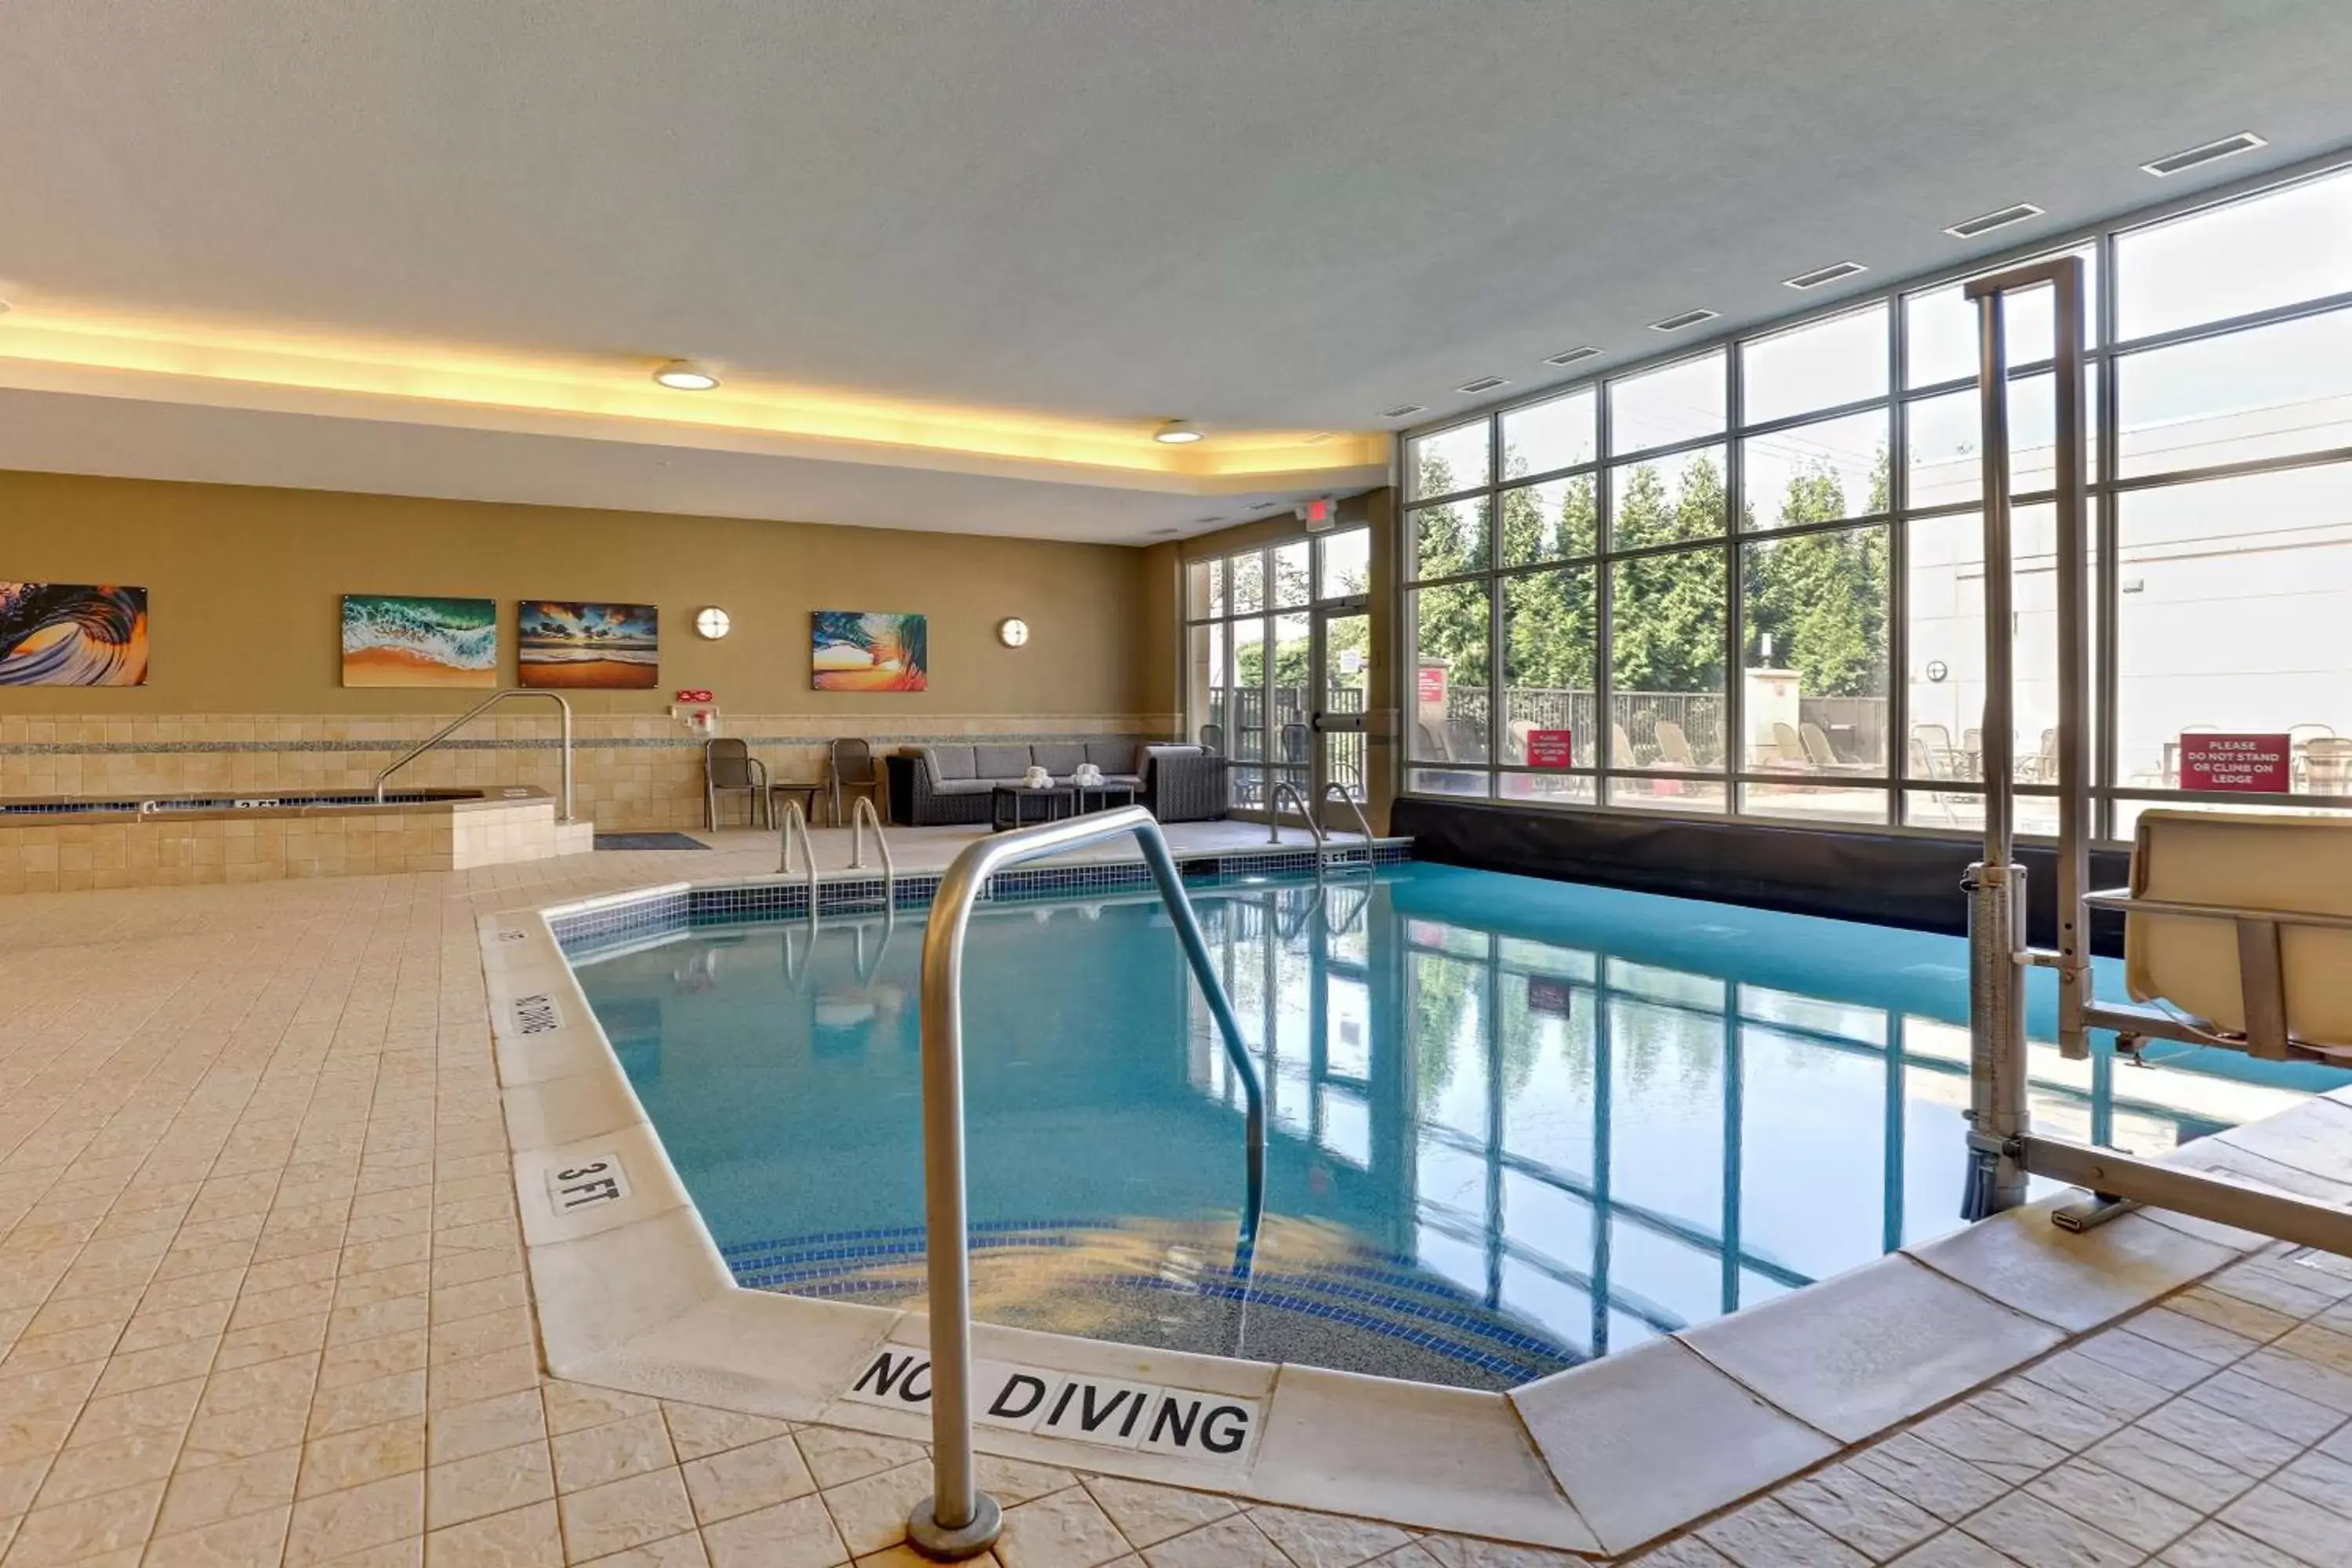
1514 1124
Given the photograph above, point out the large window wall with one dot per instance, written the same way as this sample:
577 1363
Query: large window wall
1751 578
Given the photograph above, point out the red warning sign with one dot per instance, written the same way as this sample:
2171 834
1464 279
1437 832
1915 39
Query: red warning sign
2255 763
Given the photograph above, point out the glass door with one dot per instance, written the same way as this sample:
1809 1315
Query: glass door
1342 688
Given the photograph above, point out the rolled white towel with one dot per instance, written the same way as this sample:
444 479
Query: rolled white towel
1036 778
1087 775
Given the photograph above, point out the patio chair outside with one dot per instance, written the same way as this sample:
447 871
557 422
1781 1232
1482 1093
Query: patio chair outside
1675 747
2327 763
729 768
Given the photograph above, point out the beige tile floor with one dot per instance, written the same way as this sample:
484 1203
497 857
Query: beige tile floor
262 1300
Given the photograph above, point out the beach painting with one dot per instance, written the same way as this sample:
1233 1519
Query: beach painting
868 650
563 643
390 639
72 633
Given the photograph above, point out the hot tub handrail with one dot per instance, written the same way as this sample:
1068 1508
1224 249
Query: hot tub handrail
475 711
958 1520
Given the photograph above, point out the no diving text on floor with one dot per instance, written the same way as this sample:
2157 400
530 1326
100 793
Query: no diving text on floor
1213 1426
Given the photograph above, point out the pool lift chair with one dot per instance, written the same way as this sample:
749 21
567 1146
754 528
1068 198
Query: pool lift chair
2237 929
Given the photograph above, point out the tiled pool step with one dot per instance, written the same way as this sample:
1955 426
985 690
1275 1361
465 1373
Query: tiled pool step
1373 1302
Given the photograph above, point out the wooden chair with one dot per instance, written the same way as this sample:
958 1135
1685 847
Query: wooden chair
729 768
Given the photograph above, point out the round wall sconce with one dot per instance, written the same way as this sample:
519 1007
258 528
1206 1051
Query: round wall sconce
1013 631
712 622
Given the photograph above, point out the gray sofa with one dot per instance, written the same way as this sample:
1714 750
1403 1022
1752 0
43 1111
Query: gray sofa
952 783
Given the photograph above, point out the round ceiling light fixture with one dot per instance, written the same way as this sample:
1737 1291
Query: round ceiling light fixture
686 376
1177 433
1013 631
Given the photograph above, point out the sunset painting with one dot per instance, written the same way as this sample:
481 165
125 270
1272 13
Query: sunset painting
390 639
853 650
568 644
72 633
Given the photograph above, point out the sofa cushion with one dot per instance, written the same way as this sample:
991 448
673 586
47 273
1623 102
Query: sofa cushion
964 787
999 761
950 763
1060 759
1112 756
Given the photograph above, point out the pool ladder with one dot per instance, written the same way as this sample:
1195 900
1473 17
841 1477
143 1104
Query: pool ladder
958 1520
796 822
1286 790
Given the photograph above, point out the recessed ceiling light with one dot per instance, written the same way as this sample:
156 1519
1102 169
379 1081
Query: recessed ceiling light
686 376
1404 410
1985 223
1581 352
1177 433
1484 384
1687 319
1835 272
2228 146
1172 533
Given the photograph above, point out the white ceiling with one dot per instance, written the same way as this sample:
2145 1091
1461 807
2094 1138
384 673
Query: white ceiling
1253 214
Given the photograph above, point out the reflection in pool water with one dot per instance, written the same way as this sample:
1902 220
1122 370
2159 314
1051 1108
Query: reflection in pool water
1515 1123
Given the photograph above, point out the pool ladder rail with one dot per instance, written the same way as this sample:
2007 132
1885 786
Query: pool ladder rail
959 1521
469 715
796 822
1324 849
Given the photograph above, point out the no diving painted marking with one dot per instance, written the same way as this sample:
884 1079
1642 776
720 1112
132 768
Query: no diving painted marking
1210 1427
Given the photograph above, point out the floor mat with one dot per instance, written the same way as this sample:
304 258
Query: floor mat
648 841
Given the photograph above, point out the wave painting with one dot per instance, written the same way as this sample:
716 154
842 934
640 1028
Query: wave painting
393 640
72 633
853 650
563 643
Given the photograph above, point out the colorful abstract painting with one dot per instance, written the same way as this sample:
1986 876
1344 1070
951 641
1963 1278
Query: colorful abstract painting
72 633
393 640
564 643
868 650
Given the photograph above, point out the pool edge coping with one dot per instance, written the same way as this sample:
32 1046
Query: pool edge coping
639 1299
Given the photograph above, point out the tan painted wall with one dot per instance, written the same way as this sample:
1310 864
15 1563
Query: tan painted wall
244 691
245 585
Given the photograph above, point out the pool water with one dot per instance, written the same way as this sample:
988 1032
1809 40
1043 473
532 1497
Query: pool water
1515 1124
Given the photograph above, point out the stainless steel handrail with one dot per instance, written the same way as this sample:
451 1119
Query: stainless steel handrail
1274 817
958 1520
859 817
1363 823
468 717
795 818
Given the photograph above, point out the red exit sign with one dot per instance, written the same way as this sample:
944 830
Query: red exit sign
2257 764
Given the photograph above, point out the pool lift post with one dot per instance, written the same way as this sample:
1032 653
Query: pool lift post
2003 1149
958 1520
